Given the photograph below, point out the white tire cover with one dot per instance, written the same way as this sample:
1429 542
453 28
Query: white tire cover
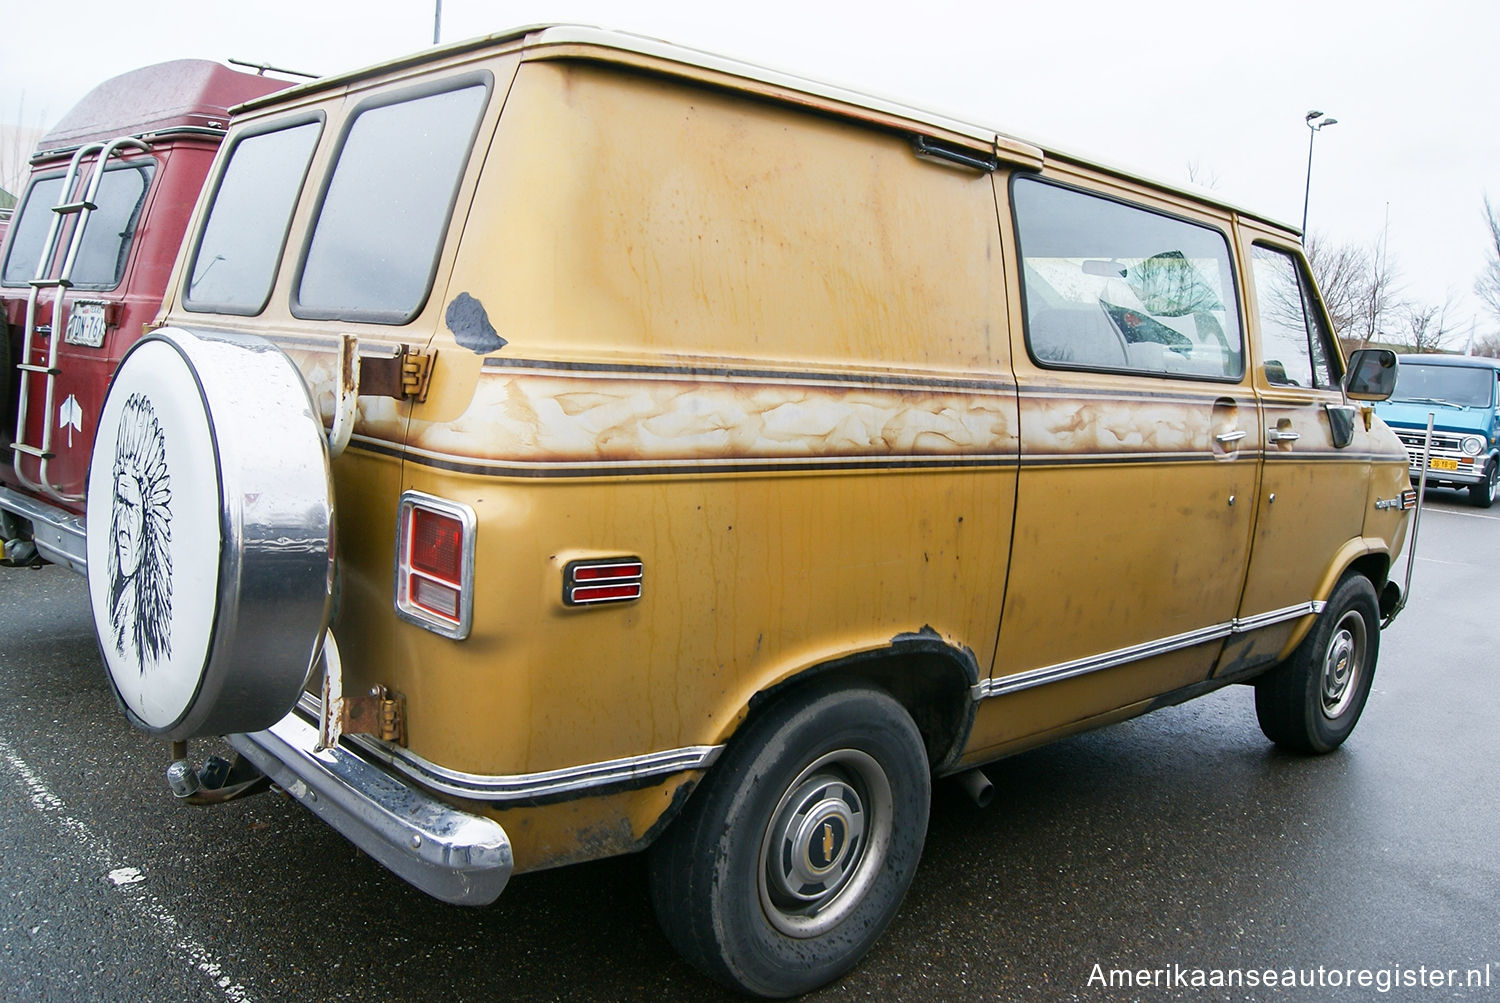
210 531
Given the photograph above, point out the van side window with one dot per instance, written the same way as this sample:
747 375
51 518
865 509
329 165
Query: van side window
111 227
374 247
1296 342
235 261
28 230
1118 287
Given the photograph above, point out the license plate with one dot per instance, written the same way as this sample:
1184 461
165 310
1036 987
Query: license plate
1440 463
85 325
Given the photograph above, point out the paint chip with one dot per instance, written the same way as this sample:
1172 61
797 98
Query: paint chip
121 876
471 326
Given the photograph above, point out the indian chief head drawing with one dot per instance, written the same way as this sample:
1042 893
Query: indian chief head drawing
140 529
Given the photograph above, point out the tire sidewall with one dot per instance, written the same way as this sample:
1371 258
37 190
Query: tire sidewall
1353 594
764 766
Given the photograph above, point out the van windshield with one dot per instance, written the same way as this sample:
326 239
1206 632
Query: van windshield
1457 386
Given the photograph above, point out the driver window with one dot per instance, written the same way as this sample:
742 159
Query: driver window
1114 286
1296 347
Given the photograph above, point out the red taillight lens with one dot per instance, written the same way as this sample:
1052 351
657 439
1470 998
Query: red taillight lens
437 545
588 583
435 564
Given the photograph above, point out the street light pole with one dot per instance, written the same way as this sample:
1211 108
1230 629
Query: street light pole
1312 133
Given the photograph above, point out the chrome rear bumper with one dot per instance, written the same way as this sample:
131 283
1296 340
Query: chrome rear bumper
449 854
57 533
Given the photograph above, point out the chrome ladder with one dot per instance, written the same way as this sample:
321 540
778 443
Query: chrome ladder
82 208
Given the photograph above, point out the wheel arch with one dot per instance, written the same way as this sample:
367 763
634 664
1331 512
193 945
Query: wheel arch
1365 556
931 678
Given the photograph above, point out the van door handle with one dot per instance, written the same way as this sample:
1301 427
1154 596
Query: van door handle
1277 435
1225 438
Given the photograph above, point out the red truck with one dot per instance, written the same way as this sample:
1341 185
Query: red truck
82 272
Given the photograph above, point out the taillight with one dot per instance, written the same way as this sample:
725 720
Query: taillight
588 583
435 564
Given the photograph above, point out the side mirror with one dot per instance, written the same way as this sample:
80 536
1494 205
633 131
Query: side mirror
1371 375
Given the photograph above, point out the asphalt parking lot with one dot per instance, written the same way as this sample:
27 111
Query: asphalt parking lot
1180 844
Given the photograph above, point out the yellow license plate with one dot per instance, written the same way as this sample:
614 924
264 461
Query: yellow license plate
1439 463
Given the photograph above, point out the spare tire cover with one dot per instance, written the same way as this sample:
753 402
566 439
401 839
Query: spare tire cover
210 531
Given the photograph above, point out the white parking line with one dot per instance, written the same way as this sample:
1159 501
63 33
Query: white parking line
1459 511
129 880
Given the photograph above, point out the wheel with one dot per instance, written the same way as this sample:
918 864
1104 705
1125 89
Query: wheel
1311 702
790 860
1483 495
209 534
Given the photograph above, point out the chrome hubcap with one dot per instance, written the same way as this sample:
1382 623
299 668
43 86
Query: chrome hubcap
1342 664
826 842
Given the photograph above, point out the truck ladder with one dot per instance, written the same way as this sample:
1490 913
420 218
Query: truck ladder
82 208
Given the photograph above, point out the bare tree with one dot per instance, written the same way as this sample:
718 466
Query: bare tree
1487 345
17 141
1342 273
1487 286
1426 326
1203 177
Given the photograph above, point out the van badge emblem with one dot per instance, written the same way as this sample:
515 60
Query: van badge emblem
140 534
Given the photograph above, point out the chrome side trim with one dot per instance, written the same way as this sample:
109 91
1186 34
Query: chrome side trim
449 854
999 686
1246 624
592 778
58 534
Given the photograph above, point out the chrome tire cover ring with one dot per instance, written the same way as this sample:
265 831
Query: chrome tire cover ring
209 534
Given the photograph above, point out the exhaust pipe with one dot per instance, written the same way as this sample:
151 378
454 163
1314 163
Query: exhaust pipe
978 787
218 781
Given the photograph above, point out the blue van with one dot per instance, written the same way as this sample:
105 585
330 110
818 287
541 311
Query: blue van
1460 392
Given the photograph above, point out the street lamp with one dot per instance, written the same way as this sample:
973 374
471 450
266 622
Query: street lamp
1312 133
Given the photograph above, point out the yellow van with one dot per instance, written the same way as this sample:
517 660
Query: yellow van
564 444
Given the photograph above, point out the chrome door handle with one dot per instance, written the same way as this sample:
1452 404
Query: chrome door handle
1225 438
1277 435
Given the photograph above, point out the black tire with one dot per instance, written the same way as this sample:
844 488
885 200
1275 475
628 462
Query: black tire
1482 495
839 773
1311 702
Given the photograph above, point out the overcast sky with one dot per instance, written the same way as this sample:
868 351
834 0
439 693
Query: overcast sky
1154 87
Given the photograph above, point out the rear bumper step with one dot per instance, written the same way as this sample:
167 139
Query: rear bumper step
449 854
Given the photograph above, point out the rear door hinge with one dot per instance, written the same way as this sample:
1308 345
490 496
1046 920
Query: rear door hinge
403 375
379 712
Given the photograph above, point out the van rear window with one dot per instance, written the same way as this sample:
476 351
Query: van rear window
1119 287
28 231
107 239
111 227
374 248
236 258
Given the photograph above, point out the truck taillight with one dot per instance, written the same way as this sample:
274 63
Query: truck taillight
435 564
